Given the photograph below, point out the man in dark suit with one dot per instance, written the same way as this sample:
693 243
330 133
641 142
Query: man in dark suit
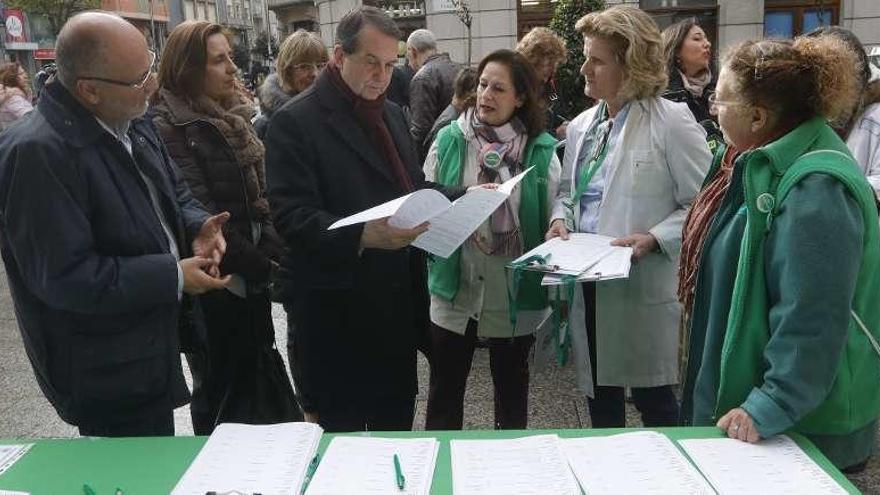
96 225
356 297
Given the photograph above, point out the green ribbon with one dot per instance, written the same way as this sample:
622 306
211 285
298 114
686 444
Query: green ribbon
560 307
562 318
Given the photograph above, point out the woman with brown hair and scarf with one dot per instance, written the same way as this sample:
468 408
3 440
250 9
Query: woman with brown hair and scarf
204 117
488 144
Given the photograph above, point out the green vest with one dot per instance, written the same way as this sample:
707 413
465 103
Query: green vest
443 274
770 173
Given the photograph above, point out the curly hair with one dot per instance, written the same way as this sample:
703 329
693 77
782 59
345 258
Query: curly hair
638 48
300 47
526 84
796 79
542 44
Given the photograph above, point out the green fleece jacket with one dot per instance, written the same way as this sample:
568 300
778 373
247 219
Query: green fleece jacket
443 274
791 253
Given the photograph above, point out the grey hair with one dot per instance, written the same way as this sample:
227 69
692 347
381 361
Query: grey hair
422 40
353 22
78 50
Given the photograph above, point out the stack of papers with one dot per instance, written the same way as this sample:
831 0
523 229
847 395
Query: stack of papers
450 223
532 465
365 465
616 264
265 459
776 465
644 462
572 257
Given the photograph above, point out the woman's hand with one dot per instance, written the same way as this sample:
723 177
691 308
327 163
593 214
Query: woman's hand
642 244
557 229
739 425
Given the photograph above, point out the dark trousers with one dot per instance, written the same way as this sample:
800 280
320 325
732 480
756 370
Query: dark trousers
382 415
156 425
451 358
657 405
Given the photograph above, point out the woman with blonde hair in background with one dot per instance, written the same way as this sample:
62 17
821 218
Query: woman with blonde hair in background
301 56
632 165
545 50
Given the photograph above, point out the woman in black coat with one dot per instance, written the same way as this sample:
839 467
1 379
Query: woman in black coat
204 118
691 80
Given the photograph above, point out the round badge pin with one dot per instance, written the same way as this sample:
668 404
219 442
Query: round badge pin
765 203
492 159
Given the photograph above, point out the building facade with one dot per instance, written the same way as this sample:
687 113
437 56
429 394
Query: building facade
500 23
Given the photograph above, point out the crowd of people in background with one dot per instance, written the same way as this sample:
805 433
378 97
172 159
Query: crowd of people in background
171 214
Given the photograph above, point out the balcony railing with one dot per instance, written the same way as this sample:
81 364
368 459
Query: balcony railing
402 8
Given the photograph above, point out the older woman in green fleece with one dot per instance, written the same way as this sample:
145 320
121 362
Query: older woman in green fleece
782 247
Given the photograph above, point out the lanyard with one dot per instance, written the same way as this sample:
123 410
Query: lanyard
599 153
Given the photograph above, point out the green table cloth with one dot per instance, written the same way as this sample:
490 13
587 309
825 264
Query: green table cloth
152 466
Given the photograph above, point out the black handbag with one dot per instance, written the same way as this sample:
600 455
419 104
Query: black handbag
260 391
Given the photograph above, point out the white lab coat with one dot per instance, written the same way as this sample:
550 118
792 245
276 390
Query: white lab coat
658 166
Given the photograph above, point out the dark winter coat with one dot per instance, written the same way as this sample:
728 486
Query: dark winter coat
430 91
222 183
356 314
94 284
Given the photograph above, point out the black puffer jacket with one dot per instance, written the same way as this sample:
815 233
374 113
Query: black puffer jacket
272 97
217 179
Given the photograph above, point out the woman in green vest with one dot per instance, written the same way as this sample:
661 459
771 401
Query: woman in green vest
781 254
488 144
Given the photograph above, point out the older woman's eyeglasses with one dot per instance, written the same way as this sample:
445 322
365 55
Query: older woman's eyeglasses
310 67
715 102
134 85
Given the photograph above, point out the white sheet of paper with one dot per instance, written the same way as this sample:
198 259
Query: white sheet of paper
531 465
574 256
643 462
776 465
266 459
451 228
617 264
10 454
11 492
365 465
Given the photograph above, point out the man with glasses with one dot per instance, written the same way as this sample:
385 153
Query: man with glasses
101 238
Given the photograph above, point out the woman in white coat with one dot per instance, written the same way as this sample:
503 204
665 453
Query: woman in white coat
633 164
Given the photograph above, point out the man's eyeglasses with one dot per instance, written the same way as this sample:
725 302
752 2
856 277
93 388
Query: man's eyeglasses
134 85
310 67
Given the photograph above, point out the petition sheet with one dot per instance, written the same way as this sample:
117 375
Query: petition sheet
365 465
265 459
617 264
644 462
451 228
533 465
776 465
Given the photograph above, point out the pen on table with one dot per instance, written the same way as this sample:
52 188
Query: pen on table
398 473
313 466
